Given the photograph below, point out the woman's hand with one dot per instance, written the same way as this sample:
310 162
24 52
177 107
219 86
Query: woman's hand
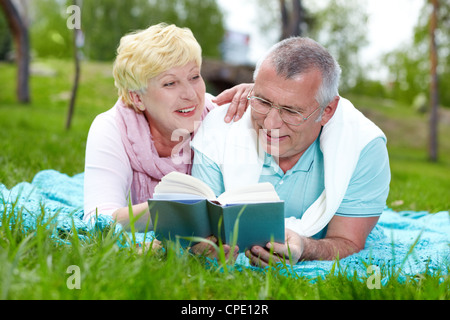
237 98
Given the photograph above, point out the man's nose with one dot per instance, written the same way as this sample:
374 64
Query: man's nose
273 119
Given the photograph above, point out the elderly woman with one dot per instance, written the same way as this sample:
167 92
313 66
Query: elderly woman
146 134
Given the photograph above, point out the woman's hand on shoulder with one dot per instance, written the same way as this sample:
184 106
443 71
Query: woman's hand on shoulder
237 98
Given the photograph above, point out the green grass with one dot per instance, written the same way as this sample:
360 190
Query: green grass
417 184
35 266
33 137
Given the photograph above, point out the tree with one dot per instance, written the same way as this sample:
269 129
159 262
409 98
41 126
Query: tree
434 90
78 43
423 67
340 26
19 29
106 21
5 39
50 36
292 20
409 66
280 19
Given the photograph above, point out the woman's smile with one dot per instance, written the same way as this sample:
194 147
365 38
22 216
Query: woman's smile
187 111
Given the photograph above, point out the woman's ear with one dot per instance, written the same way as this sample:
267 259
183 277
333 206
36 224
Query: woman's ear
329 111
137 100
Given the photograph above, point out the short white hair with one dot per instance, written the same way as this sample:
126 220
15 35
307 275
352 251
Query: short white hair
294 56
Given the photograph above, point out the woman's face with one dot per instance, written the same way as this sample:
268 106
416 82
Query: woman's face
175 100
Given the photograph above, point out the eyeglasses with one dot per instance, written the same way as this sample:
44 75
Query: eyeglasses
288 115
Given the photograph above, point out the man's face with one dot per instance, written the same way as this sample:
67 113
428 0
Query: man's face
284 141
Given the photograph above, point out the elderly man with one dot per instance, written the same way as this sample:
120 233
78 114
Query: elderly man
326 160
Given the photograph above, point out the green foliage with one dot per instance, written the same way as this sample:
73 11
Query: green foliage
416 184
33 136
5 38
341 28
409 65
104 22
49 35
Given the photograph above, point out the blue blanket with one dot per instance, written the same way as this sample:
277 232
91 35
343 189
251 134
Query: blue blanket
403 243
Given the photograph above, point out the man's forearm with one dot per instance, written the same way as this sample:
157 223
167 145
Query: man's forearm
327 249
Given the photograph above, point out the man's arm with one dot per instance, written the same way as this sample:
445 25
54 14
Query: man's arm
345 236
348 229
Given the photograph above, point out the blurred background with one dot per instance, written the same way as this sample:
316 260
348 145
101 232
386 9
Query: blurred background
56 60
383 46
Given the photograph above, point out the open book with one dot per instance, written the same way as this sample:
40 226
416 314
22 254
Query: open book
176 185
185 206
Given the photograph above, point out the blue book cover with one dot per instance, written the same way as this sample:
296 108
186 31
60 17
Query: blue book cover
184 206
247 224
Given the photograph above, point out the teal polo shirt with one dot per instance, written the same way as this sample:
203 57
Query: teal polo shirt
300 186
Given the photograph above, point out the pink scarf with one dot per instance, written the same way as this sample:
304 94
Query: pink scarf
148 167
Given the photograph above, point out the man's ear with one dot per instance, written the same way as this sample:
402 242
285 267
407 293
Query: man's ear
329 111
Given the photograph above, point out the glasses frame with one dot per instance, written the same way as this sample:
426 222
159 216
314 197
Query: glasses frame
274 106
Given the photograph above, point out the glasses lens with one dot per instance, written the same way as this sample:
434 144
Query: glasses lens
287 115
291 116
259 105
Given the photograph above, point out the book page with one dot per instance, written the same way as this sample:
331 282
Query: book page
176 182
261 192
177 196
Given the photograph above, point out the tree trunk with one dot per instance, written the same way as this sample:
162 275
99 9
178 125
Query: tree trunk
77 44
291 21
76 81
434 90
19 30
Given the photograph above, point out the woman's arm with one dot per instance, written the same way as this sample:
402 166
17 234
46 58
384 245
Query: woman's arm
139 212
108 174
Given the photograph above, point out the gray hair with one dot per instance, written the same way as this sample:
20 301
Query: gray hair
297 55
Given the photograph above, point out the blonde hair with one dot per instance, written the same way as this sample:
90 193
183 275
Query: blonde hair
144 54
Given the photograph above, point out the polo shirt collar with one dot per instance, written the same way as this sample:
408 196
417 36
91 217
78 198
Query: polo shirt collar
304 164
